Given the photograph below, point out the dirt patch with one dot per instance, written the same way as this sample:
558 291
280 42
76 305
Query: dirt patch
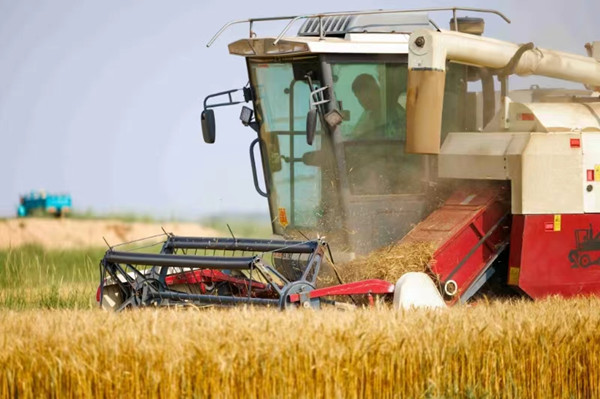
76 233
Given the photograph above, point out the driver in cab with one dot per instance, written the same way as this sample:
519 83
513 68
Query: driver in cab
373 123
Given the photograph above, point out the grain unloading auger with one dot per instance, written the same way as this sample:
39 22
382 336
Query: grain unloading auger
369 133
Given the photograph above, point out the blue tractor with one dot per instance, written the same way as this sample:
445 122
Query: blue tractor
39 203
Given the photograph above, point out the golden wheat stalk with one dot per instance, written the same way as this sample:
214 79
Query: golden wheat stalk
516 349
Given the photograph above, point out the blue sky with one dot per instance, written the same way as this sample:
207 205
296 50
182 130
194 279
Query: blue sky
102 99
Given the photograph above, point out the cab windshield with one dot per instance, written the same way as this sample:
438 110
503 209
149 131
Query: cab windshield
372 97
356 173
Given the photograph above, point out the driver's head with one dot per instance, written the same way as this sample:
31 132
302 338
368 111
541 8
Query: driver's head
366 90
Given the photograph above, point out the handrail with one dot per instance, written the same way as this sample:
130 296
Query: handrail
320 16
241 21
294 19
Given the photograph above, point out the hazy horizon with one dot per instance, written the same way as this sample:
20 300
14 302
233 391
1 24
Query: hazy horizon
102 99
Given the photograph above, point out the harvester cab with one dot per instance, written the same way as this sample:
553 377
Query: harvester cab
379 127
329 107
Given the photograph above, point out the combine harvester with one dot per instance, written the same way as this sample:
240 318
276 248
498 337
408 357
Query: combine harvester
369 133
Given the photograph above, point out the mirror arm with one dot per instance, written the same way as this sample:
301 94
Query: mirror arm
254 126
227 93
207 117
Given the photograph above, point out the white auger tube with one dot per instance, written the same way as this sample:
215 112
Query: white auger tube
417 290
429 50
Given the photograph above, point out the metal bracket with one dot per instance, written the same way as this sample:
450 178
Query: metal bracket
248 96
472 251
506 71
254 171
509 68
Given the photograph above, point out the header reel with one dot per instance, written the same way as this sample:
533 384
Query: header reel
222 272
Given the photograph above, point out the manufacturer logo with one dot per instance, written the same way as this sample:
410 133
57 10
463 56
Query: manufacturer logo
587 249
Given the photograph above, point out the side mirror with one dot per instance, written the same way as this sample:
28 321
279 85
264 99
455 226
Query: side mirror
208 126
246 116
311 125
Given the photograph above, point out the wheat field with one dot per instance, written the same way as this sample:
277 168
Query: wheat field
56 343
518 349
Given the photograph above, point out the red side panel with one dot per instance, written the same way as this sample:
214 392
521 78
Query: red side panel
555 254
458 228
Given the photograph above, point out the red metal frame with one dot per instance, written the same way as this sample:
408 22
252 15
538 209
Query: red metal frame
377 287
204 277
458 229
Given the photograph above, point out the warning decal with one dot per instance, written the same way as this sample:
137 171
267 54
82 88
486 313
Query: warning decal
283 220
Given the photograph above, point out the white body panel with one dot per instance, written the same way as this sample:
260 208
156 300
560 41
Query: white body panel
361 44
477 155
417 290
544 169
546 152
354 43
590 143
550 175
554 117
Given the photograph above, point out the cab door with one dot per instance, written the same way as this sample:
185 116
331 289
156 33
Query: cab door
383 186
